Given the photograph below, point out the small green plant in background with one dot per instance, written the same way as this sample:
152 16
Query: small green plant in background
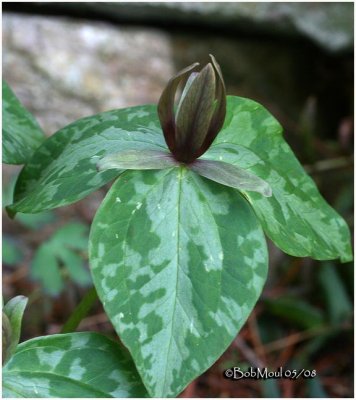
60 258
62 250
177 248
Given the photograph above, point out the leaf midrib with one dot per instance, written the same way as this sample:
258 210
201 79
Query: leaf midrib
177 275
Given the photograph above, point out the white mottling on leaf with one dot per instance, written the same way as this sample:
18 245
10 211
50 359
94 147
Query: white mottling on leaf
79 341
76 370
115 376
49 359
110 270
112 294
101 250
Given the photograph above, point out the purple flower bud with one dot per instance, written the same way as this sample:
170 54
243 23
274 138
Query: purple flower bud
200 113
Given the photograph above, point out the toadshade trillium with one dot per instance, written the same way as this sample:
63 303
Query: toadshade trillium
179 261
189 129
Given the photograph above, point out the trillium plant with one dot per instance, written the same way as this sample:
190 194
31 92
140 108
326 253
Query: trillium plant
177 248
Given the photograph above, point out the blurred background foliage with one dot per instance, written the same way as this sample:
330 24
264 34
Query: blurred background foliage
69 60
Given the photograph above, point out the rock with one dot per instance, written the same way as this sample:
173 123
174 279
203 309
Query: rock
329 25
63 70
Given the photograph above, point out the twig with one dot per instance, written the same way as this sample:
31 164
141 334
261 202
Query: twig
255 337
248 353
93 320
17 275
189 391
301 336
327 165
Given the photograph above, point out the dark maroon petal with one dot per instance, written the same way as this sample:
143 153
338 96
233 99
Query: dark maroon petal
166 106
195 112
218 118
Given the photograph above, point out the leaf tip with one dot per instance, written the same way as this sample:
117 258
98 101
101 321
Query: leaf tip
10 212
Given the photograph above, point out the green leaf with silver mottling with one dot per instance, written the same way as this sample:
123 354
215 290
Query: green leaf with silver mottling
21 134
178 262
75 365
14 310
63 170
296 217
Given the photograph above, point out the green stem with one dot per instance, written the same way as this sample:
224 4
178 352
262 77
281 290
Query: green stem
80 311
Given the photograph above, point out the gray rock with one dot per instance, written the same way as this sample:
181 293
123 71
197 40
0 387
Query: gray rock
63 70
329 25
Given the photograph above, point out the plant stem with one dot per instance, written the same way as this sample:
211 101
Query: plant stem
80 311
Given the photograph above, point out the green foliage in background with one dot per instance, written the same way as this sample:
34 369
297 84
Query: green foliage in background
62 249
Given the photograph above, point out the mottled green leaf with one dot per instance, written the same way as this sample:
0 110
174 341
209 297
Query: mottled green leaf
75 365
137 159
63 170
231 176
178 262
14 310
296 217
21 134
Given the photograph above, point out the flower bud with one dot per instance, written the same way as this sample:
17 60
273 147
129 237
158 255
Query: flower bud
200 114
